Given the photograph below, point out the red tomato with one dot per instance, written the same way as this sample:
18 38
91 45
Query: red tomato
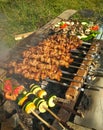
95 28
63 25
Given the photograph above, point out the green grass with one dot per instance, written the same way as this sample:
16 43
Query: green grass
23 16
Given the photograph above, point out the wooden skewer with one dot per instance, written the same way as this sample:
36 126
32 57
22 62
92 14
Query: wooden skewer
42 120
24 35
53 114
58 119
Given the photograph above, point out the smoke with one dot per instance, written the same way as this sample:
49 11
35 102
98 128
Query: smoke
4 51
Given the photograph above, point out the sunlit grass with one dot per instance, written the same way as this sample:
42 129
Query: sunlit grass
28 15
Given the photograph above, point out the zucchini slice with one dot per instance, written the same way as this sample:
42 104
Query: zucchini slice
19 97
38 101
29 93
34 90
50 101
33 85
42 106
35 99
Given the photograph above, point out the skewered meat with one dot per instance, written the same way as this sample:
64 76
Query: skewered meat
45 59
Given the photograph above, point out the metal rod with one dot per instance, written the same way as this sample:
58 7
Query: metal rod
84 47
77 57
100 70
53 81
80 63
87 48
98 75
96 86
58 99
42 120
74 74
78 52
96 72
85 83
75 87
72 80
83 89
87 43
74 66
82 52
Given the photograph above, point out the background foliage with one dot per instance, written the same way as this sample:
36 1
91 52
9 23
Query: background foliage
21 16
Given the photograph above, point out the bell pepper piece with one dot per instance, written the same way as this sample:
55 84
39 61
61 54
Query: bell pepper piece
95 28
18 90
7 86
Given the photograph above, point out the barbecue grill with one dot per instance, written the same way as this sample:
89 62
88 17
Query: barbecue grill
67 91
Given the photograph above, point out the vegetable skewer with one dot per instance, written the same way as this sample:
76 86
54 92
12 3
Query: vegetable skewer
29 107
52 101
36 89
30 110
40 104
